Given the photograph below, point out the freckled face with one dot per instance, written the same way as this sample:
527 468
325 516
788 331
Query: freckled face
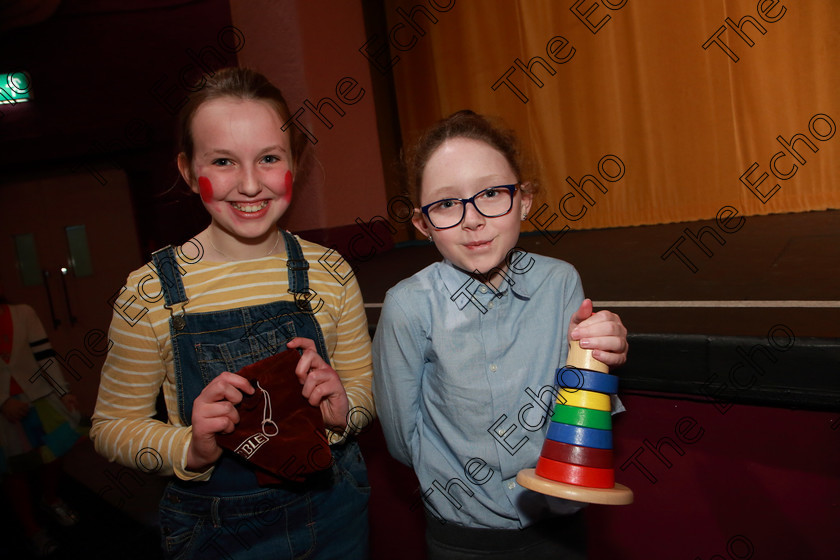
460 168
241 167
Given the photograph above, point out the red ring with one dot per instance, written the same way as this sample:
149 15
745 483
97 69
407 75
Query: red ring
577 455
588 477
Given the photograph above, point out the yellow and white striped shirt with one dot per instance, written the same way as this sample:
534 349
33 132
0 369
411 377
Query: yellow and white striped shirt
140 359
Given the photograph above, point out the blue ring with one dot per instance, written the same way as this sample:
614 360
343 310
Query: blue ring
578 435
587 380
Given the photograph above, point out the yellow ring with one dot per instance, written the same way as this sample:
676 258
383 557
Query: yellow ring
584 399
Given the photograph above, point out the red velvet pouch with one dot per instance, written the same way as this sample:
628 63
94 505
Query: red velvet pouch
278 432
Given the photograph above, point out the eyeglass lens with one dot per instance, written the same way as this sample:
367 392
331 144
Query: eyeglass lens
491 203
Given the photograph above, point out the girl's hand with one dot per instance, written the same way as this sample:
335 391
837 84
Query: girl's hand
214 412
70 402
601 332
321 385
14 410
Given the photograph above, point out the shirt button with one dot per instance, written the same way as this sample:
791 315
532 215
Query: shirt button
511 485
483 289
493 367
501 432
490 305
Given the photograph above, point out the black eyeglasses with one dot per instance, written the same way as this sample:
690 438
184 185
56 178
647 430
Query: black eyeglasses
492 202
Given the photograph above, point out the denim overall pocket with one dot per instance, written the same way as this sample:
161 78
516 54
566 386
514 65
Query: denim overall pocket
234 355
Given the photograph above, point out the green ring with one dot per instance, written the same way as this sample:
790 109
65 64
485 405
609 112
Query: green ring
586 417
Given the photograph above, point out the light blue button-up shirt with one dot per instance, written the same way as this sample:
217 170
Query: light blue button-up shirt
463 382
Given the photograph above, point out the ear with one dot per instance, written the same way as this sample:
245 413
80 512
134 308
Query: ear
419 221
186 173
527 198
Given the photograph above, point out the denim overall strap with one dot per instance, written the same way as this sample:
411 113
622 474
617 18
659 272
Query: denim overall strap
296 265
169 274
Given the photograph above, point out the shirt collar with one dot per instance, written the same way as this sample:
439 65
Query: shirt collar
463 288
521 287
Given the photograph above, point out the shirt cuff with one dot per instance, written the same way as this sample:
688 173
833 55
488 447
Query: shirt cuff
334 436
180 465
339 436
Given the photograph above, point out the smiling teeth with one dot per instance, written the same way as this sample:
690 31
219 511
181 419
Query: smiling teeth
249 208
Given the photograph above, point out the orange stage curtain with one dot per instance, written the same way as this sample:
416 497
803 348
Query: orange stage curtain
639 94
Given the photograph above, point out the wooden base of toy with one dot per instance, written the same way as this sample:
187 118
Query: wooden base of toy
619 495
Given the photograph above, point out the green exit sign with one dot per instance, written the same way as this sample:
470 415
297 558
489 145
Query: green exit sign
14 88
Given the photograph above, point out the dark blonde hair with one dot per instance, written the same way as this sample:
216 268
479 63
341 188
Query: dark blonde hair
470 125
238 83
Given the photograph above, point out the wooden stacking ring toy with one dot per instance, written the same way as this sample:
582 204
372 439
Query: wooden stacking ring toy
574 378
577 455
578 435
575 474
576 461
584 399
586 417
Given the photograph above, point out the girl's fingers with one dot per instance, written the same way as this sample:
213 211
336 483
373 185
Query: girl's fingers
213 418
610 358
603 323
304 366
300 342
604 343
238 382
216 409
309 361
313 379
226 386
320 381
212 426
583 313
229 425
321 385
605 335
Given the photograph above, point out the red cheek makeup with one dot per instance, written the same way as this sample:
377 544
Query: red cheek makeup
205 189
288 195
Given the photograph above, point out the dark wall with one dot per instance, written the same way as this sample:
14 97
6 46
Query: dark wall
720 480
107 79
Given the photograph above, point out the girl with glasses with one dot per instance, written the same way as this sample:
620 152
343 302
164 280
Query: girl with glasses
465 351
240 291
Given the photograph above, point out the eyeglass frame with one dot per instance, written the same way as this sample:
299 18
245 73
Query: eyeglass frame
512 188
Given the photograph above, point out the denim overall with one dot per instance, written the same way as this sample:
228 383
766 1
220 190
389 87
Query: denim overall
230 515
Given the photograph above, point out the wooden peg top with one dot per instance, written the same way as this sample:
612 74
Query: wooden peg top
582 359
